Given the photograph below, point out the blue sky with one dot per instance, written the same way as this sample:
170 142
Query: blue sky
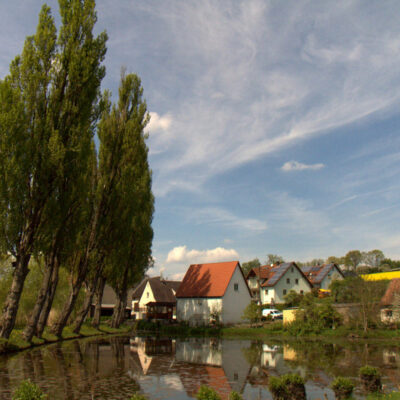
275 125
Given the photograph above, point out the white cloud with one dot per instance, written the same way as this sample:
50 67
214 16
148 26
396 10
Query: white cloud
181 254
159 123
298 166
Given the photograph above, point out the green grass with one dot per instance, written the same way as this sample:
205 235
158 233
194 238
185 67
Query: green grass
389 396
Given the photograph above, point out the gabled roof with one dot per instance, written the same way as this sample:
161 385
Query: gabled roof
162 290
277 272
262 272
392 289
207 280
316 273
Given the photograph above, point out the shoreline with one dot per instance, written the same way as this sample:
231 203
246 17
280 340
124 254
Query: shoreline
16 343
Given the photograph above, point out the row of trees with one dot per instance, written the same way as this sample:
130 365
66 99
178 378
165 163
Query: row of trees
62 200
374 259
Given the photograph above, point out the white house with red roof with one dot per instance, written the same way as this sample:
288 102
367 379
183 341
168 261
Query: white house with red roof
280 280
212 289
321 276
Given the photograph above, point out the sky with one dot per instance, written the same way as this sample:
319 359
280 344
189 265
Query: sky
274 125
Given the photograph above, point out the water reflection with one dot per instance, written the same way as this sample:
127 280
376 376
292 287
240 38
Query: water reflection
116 367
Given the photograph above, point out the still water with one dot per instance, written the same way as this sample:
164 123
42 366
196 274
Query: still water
116 367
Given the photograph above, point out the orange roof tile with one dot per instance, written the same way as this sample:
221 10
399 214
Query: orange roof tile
207 280
392 289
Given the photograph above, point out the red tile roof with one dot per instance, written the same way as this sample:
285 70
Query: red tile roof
207 280
262 272
393 288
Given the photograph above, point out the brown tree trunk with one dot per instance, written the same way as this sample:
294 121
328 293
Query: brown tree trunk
31 327
44 315
99 298
118 316
58 327
11 303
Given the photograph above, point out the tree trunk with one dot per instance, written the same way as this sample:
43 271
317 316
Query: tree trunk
31 327
44 315
118 316
99 298
68 307
11 303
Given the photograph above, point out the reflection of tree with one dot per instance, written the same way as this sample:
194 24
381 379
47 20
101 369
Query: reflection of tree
4 377
118 352
63 370
253 353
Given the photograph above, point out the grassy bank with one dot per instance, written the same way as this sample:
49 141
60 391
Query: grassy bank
16 341
268 330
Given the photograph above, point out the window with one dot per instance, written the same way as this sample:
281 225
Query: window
297 281
288 280
301 291
236 287
199 302
266 291
284 291
148 294
292 269
235 376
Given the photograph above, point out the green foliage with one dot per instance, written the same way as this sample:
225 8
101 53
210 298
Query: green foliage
292 299
235 396
370 379
249 265
252 313
353 258
388 396
313 316
207 393
274 259
369 371
138 396
287 387
343 387
28 391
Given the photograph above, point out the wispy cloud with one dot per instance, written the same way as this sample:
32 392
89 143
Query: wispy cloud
298 166
181 254
222 217
158 122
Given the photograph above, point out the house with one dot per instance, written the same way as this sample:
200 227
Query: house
321 276
280 280
255 277
155 298
390 311
212 291
108 302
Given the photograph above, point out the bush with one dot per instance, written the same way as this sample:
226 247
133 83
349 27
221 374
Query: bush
370 379
342 387
287 387
28 391
235 396
137 396
206 393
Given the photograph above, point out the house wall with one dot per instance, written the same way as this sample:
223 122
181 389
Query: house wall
147 297
196 311
235 301
253 282
276 293
330 277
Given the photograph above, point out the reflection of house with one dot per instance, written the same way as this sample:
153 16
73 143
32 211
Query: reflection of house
154 298
108 302
213 290
321 276
389 312
197 361
280 280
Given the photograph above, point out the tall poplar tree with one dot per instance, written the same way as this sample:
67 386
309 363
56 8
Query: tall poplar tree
46 110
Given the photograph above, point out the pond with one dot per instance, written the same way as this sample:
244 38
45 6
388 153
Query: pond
115 367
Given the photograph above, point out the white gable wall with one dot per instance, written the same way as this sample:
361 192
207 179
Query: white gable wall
147 297
197 311
330 277
277 293
235 301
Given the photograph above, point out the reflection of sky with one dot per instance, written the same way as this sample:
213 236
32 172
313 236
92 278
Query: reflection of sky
162 387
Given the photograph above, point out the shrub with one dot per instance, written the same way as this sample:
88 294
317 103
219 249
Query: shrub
28 391
370 379
342 387
287 387
138 396
252 313
206 393
235 396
